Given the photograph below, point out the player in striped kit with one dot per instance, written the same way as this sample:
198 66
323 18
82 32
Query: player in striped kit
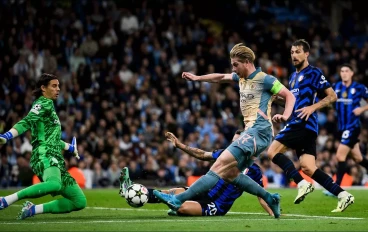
300 132
349 94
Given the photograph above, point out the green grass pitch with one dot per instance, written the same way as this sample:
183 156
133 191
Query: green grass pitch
107 211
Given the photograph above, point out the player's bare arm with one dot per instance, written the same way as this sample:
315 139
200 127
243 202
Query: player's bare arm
289 105
194 152
213 77
279 101
265 206
306 112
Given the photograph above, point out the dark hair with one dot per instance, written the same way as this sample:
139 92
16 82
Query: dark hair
348 66
303 43
43 81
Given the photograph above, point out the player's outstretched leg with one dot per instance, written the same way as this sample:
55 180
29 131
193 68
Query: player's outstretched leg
248 185
52 183
125 181
73 200
304 188
345 199
169 199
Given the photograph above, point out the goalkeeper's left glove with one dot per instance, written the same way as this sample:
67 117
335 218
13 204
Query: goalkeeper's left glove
73 148
4 138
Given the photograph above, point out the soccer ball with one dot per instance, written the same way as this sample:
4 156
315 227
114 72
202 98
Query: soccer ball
136 195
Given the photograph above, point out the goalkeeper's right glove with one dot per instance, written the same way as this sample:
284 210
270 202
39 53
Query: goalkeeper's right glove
73 148
4 138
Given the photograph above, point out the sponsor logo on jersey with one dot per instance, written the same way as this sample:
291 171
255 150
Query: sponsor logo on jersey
323 80
296 91
292 84
345 101
247 96
244 97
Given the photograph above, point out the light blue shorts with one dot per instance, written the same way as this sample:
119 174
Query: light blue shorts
250 144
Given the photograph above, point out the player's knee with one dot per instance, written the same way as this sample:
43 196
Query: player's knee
341 157
275 148
231 174
188 210
358 159
80 202
183 210
217 165
308 169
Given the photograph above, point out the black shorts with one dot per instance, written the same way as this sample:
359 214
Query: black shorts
302 140
209 207
350 137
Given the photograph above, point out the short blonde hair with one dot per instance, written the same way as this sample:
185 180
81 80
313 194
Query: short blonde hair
243 53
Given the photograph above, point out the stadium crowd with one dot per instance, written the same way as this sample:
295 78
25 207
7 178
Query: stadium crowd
120 63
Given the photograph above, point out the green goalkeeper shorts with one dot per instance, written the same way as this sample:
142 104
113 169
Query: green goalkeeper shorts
43 162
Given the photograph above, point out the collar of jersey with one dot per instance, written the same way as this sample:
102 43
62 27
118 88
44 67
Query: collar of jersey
258 69
303 70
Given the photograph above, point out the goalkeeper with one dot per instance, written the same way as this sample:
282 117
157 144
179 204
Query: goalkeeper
47 161
215 202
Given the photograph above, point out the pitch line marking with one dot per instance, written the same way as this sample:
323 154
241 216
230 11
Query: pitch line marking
234 213
231 212
150 221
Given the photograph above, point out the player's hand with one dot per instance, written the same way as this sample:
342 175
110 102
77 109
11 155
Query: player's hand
172 138
305 112
4 138
279 118
189 76
73 148
358 111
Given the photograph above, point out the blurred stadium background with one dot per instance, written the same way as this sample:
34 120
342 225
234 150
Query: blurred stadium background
120 64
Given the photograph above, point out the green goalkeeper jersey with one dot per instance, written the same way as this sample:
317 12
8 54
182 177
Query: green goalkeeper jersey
45 128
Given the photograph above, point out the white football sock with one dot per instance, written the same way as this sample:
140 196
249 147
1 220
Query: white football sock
303 182
342 194
11 198
38 209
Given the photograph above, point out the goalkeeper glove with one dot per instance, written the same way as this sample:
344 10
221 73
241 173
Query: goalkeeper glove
73 148
4 138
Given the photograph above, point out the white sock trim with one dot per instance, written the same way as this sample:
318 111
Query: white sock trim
303 182
11 198
342 194
38 209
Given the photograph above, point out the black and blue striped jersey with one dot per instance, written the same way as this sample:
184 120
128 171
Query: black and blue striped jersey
348 99
305 85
